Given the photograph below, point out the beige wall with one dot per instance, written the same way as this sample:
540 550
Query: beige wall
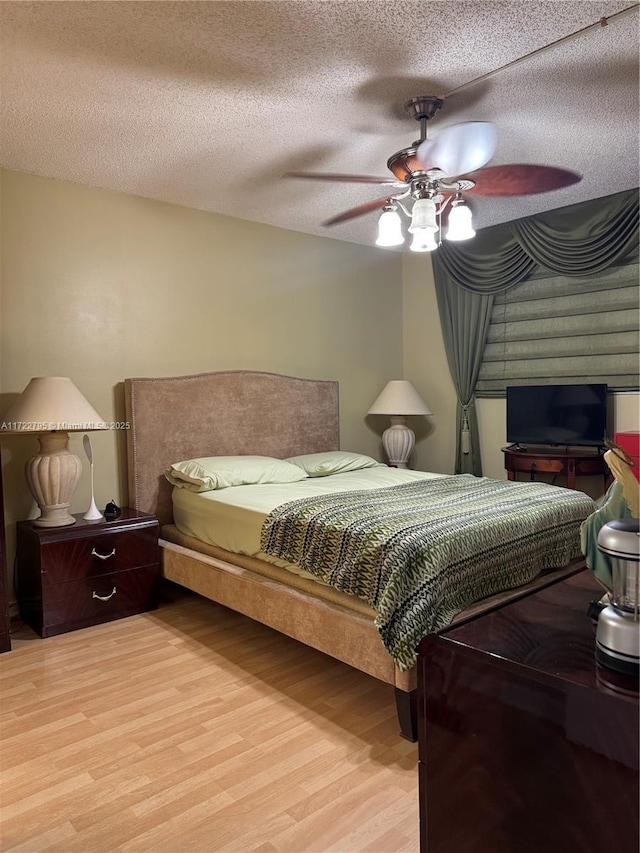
425 365
100 286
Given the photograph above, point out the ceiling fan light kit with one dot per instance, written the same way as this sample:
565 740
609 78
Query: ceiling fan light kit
432 174
419 168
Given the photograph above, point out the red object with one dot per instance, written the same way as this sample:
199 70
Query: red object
630 443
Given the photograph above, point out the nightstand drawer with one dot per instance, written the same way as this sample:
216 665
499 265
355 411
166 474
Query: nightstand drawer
92 600
94 555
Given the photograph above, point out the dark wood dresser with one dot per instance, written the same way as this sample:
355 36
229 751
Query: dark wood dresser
87 573
5 636
525 745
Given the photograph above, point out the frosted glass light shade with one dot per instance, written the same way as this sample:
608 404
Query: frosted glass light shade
460 227
423 216
424 240
51 407
389 229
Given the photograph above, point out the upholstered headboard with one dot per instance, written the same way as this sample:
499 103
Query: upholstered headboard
220 414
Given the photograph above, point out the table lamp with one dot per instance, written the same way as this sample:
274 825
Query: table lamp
399 399
51 407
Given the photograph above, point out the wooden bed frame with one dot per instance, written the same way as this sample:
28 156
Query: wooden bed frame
257 413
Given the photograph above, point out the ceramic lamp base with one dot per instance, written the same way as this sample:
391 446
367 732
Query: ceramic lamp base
398 442
52 476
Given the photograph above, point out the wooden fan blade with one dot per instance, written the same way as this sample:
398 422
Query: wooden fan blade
348 179
367 207
520 179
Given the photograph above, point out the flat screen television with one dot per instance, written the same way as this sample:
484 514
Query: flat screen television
557 414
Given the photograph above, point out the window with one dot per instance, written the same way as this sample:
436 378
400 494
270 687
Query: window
565 329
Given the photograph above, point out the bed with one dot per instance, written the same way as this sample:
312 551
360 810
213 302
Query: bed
230 413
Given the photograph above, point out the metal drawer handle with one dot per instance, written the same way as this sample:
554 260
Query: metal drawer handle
95 553
104 597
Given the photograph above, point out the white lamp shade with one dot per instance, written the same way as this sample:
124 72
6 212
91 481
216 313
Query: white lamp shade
399 397
424 240
460 227
423 215
51 403
389 229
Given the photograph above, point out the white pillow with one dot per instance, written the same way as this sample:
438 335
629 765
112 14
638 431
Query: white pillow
333 462
219 472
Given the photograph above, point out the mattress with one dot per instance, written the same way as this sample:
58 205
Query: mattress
232 518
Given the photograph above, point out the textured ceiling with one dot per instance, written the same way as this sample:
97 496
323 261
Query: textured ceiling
206 104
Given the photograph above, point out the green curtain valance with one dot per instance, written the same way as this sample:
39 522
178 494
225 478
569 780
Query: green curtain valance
582 239
495 262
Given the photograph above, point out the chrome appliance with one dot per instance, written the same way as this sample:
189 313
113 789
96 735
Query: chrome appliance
618 631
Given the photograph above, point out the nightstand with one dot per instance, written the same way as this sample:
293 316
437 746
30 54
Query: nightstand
87 573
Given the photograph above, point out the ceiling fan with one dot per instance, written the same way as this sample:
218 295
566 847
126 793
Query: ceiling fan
431 175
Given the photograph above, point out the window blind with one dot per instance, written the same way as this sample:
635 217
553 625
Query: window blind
565 329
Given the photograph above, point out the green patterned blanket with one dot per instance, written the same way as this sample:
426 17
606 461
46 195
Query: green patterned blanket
421 552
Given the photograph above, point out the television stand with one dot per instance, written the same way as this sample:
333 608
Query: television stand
554 460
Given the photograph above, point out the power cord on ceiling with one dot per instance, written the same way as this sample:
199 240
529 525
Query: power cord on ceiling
603 22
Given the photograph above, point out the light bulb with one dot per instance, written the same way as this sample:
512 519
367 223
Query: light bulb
460 227
389 229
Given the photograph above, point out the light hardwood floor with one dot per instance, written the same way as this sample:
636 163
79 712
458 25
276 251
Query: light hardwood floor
195 729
